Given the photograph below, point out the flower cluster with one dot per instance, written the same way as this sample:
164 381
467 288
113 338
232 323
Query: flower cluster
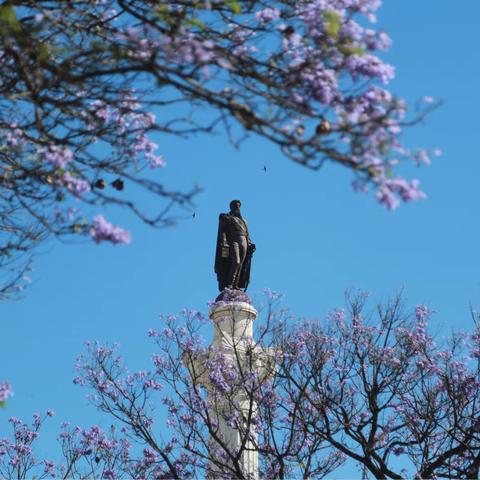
75 185
17 453
131 126
102 230
5 392
55 155
229 295
267 15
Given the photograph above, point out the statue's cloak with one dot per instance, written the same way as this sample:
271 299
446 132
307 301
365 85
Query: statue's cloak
222 264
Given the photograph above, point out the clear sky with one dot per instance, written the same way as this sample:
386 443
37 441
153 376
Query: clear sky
315 237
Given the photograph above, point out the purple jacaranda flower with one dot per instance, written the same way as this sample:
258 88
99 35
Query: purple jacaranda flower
168 332
37 419
109 474
101 111
321 82
149 455
75 185
364 416
390 188
138 44
156 161
5 391
386 197
102 231
71 213
267 15
15 136
230 295
234 418
49 468
160 361
78 380
421 312
58 156
151 384
376 40
369 66
422 157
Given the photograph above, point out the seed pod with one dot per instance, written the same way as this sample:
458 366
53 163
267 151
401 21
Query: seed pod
323 127
300 130
100 184
117 184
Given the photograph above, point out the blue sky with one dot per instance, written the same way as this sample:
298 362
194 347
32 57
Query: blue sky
315 237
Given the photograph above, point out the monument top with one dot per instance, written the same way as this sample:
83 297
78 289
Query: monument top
233 254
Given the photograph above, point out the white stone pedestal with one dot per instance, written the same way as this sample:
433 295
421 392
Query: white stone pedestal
233 324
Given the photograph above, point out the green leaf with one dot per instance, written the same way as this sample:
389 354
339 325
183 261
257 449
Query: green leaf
164 14
351 50
384 148
44 51
162 9
273 62
9 18
2 404
196 22
234 6
333 23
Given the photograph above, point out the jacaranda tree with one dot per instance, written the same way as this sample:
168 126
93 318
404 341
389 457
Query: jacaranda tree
85 84
366 388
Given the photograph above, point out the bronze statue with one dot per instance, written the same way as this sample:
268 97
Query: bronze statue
234 250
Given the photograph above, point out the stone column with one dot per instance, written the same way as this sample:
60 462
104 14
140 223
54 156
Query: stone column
233 336
233 341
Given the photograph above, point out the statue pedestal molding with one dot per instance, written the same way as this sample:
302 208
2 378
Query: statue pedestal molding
233 324
233 344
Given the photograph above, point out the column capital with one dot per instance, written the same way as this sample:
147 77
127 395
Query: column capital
233 325
233 309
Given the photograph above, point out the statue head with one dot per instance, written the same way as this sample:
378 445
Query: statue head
235 207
